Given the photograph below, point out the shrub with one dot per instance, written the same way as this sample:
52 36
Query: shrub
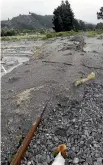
94 33
49 35
8 32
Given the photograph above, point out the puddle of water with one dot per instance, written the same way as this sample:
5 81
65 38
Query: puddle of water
10 63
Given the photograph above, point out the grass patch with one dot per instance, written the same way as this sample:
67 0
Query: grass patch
61 34
52 35
94 33
41 36
23 37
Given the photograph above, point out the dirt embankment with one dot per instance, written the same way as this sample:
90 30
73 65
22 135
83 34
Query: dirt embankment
73 116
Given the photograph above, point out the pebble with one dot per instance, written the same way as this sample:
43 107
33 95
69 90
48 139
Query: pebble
71 154
74 120
95 163
82 142
76 160
38 142
78 140
85 163
29 163
100 161
73 148
44 163
55 139
10 90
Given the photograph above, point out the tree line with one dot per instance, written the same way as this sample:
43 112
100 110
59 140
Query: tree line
64 19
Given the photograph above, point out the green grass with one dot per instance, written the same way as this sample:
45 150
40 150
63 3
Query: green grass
61 34
41 36
23 37
53 35
94 33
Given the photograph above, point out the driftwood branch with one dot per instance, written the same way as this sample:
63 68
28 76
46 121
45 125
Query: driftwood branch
21 151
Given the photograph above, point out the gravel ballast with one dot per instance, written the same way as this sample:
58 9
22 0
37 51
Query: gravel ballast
77 124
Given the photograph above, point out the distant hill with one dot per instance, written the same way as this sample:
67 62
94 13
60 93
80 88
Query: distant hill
30 22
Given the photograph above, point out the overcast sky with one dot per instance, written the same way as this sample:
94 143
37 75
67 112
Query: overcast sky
83 9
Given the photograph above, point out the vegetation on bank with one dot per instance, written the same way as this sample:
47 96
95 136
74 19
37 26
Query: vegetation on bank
94 33
64 24
23 37
48 35
62 34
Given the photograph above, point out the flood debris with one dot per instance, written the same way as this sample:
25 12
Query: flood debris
25 95
84 80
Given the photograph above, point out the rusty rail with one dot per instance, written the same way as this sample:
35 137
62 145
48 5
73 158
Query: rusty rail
22 149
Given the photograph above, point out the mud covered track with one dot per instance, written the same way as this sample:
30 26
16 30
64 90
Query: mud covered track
73 116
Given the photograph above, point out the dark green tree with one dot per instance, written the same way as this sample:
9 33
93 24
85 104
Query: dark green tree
63 17
82 25
100 14
76 25
90 26
99 26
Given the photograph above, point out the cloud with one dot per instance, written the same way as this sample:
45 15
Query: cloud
83 9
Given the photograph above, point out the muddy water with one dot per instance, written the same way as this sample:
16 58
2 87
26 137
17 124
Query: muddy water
10 63
16 53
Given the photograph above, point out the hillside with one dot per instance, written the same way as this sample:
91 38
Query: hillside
31 21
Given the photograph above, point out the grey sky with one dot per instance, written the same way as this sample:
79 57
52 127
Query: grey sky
83 9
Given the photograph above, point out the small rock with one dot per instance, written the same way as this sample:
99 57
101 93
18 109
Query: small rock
94 51
10 90
29 163
27 63
12 79
55 139
44 163
85 163
82 142
70 53
96 145
71 154
73 148
76 160
100 161
47 134
89 159
26 71
38 142
61 132
74 120
86 133
48 159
